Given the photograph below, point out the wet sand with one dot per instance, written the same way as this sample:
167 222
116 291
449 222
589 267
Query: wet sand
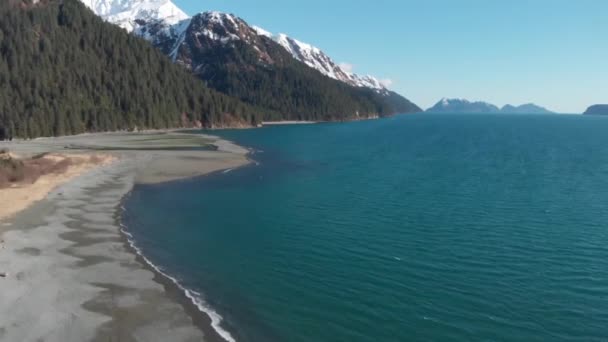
19 196
71 275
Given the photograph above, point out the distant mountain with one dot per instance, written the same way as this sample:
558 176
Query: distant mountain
528 108
464 106
599 109
277 73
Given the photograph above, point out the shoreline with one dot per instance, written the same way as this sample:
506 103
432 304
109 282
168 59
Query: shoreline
288 122
203 315
77 232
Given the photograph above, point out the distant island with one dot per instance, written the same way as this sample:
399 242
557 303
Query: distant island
599 109
446 105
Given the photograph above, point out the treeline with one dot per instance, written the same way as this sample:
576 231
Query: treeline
65 71
288 87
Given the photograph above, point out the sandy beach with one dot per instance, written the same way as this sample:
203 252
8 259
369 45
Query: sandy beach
288 122
70 274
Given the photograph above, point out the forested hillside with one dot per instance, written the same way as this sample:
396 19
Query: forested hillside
230 56
65 71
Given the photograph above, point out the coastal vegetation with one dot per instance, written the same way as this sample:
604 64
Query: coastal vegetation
11 170
27 171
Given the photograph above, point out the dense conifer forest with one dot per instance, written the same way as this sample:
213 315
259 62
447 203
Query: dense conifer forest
65 71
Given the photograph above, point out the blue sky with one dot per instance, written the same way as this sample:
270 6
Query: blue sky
550 52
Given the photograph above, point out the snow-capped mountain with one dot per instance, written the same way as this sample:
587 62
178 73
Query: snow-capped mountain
165 25
446 105
210 32
131 14
223 27
317 59
253 65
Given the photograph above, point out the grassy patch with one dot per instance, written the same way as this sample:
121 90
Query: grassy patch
11 171
27 171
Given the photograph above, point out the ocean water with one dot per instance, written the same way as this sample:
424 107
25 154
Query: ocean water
412 228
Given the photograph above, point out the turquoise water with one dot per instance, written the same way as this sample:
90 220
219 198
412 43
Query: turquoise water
413 228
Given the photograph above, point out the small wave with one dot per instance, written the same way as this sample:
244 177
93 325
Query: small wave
195 297
227 170
432 319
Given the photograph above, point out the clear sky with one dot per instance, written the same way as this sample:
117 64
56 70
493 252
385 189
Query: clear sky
550 52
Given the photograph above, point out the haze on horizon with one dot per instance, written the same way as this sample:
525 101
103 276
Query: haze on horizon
549 52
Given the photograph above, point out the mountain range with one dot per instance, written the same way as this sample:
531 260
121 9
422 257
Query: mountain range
74 66
250 63
158 20
446 105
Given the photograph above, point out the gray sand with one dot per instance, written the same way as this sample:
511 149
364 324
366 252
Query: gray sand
71 276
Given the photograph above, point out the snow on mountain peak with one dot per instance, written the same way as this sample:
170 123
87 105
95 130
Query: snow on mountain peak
218 17
126 13
223 27
317 59
297 47
449 101
260 31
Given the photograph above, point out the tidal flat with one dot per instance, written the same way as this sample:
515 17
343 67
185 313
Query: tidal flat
69 271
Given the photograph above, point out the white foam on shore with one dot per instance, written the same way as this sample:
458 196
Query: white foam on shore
195 297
